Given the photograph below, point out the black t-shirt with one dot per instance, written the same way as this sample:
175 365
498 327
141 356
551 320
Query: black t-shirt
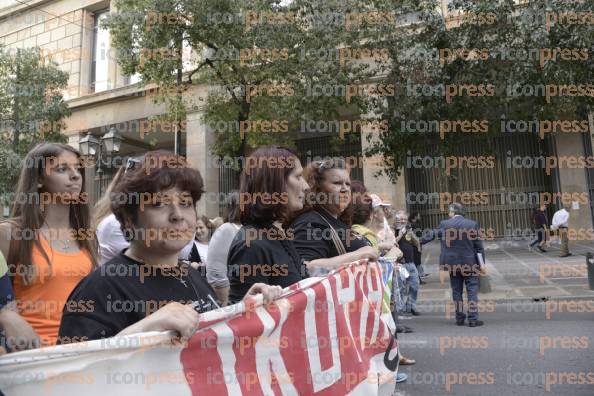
123 291
418 232
262 254
539 219
406 246
313 236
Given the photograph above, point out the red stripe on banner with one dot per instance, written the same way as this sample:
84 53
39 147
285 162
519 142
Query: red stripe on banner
353 371
247 329
294 352
202 366
275 382
330 362
323 331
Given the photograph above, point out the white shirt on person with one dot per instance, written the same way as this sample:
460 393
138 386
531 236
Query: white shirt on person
111 241
386 234
202 251
218 252
560 219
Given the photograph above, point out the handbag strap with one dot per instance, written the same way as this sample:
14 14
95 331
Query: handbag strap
335 238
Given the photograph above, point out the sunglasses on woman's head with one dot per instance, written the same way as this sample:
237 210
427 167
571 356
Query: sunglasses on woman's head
131 163
330 164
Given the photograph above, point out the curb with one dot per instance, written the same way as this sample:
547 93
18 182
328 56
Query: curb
515 299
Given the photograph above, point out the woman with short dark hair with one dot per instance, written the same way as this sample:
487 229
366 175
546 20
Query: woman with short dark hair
145 288
108 230
272 189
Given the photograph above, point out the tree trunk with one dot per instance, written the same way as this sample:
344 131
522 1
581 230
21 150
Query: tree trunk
244 115
16 105
180 69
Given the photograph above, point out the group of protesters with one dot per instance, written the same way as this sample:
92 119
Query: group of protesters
154 265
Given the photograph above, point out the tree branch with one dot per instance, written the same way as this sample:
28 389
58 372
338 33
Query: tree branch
218 73
195 71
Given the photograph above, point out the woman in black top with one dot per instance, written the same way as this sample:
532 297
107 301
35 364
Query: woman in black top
272 188
323 236
145 288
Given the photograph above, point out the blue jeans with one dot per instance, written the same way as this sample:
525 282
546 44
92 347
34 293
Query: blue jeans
457 282
409 289
540 236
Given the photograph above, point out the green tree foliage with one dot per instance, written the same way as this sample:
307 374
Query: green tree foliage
513 53
32 108
259 58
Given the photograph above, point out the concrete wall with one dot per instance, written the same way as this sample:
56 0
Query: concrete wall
198 141
574 180
395 193
63 31
68 40
110 107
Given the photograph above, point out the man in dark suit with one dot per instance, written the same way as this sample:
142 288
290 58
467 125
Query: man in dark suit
460 243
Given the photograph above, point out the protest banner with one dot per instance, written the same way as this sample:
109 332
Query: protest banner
323 336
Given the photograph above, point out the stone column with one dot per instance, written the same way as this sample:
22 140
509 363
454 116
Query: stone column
573 179
198 142
86 54
395 193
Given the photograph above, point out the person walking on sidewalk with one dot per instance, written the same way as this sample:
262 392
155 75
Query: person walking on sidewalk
539 222
560 224
460 243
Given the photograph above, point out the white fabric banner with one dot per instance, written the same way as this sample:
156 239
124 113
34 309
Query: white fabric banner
324 336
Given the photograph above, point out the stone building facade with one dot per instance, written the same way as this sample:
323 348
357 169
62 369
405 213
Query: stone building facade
101 97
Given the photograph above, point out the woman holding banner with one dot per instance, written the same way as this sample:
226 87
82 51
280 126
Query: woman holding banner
271 191
323 236
110 240
47 241
368 221
146 288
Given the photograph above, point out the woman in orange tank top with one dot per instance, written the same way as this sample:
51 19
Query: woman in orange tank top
48 243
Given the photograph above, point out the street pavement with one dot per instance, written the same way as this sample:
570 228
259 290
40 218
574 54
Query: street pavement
515 272
519 351
538 336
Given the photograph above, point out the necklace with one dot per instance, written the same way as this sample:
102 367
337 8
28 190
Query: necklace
63 244
179 279
199 302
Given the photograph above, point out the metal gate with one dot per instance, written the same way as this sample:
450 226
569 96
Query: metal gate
506 209
321 146
228 181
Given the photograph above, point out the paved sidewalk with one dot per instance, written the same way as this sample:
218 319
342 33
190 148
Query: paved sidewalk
517 273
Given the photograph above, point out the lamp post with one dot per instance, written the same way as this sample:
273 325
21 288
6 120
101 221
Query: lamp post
109 144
